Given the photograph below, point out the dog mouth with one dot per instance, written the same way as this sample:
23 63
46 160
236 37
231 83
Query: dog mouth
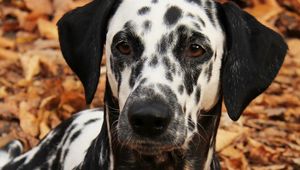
151 149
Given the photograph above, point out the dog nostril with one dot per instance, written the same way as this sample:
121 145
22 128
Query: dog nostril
158 124
137 122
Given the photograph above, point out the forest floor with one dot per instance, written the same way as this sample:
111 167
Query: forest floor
38 90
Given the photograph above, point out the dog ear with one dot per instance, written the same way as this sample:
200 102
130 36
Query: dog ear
82 36
253 56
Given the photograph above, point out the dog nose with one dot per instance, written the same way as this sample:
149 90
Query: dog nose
149 119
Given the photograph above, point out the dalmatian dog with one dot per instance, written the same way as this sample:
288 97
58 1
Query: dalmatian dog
170 65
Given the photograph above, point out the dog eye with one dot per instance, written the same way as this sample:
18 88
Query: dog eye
124 48
195 50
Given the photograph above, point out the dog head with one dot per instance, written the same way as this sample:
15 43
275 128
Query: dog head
168 61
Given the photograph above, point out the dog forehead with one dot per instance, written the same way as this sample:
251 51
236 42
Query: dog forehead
153 18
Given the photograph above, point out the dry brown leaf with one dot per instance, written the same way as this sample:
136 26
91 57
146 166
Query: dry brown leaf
8 54
50 102
44 130
271 167
264 10
231 152
40 6
3 92
47 29
28 121
5 139
74 99
7 43
294 47
25 37
71 83
30 65
225 138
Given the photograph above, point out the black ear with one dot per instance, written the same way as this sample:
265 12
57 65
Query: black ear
82 36
254 54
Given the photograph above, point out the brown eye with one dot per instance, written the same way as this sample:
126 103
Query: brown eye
195 50
124 48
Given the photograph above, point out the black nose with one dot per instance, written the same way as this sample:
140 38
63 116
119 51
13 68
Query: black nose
149 118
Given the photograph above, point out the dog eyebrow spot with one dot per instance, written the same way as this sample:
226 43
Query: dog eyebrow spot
144 10
172 15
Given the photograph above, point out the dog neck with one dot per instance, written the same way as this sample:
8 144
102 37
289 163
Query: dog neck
107 153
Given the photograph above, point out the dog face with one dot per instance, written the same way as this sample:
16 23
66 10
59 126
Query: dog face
169 61
165 55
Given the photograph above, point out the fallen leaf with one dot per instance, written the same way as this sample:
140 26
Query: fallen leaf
30 65
47 29
225 138
40 6
28 121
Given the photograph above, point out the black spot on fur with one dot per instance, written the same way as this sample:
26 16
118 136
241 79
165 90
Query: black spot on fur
198 27
209 12
180 89
173 68
135 72
154 1
75 135
181 41
154 61
91 121
191 15
188 83
162 45
147 25
167 63
143 10
169 76
201 21
143 81
191 123
198 94
198 2
66 153
128 25
172 15
172 98
208 72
